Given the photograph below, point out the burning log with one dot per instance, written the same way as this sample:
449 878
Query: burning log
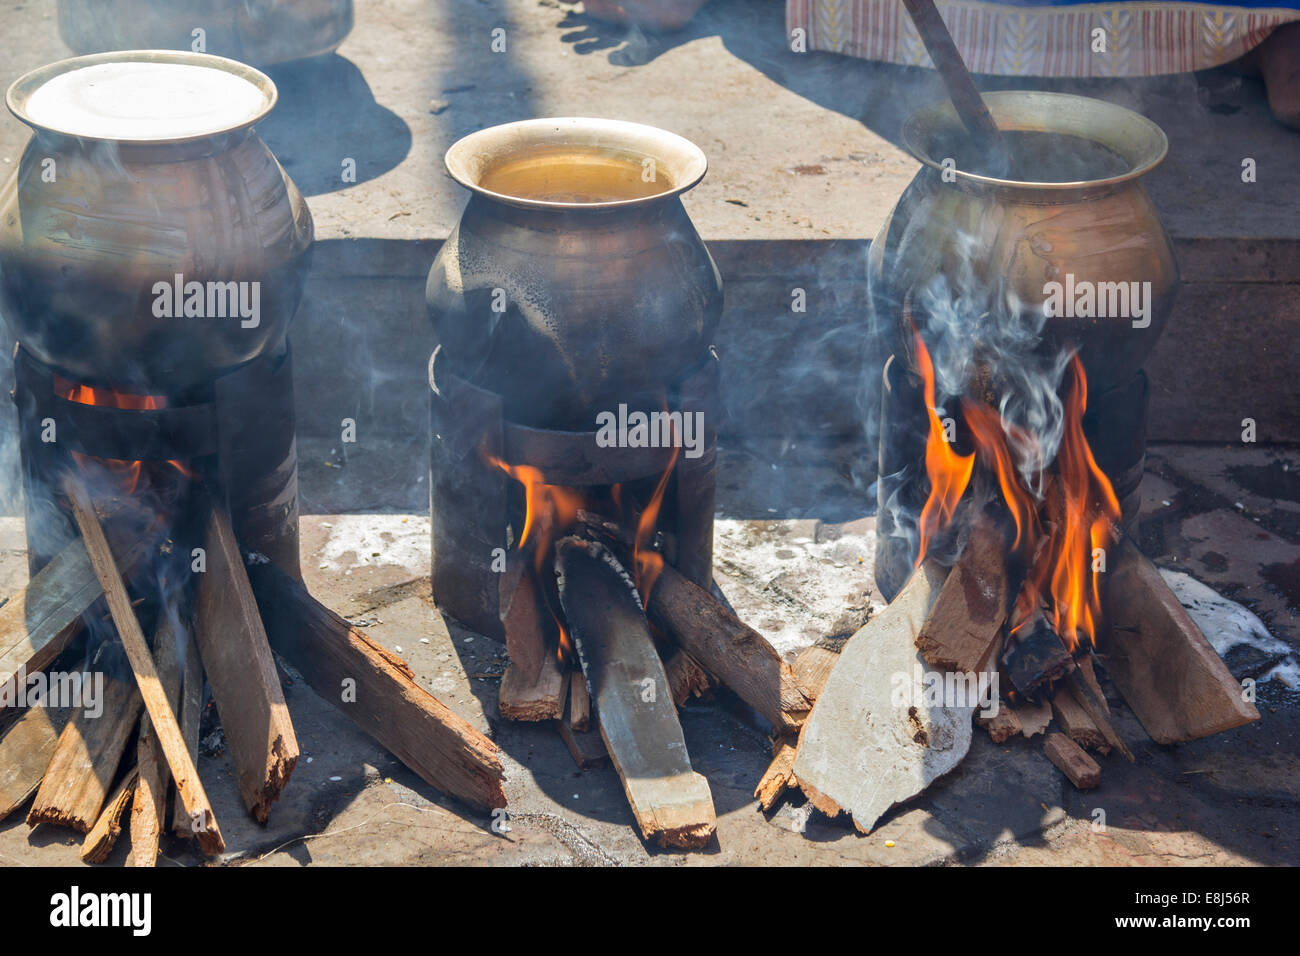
237 659
160 712
103 835
1070 759
729 649
523 616
540 699
191 709
149 807
86 759
963 629
1170 675
26 747
439 747
1035 656
860 752
638 721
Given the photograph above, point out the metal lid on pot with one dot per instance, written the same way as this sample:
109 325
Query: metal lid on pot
142 97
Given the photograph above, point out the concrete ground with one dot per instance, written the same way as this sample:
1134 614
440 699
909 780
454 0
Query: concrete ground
804 164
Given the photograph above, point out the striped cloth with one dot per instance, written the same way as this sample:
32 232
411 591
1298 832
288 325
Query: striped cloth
1140 37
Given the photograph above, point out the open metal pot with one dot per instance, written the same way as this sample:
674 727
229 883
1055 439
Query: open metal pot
261 32
574 280
144 167
1075 214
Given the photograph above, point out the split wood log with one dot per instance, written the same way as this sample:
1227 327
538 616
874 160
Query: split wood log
579 709
863 750
241 671
26 747
197 806
149 806
377 691
523 616
86 759
1087 674
1074 720
1002 726
729 649
1169 674
191 714
1071 760
962 632
638 720
101 839
1035 657
1097 713
585 745
542 699
779 776
1034 717
814 664
686 678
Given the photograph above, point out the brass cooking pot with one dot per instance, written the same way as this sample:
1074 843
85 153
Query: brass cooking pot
574 279
1077 216
137 174
260 32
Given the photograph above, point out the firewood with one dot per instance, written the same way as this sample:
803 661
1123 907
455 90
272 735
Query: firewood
585 745
1002 726
1035 657
523 616
543 699
686 678
101 839
730 650
966 622
241 671
86 759
1071 760
191 713
148 808
1034 716
1169 674
779 776
26 747
814 664
182 767
1073 719
1087 674
579 709
378 692
638 720
1098 714
862 753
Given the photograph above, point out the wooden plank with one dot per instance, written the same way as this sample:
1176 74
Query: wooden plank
1073 719
966 622
522 619
101 839
579 708
191 713
813 666
543 699
638 719
378 692
860 751
779 776
149 806
586 746
160 712
1097 713
26 747
729 649
1071 760
1169 674
237 659
86 759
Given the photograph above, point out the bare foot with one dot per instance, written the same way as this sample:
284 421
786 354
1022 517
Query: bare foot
1279 63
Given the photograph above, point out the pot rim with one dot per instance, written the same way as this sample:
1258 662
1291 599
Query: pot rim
470 157
21 90
1129 134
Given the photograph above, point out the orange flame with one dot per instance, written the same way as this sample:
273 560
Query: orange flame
649 562
948 471
1057 538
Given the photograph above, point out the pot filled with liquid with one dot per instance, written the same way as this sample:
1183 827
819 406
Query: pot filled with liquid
574 280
